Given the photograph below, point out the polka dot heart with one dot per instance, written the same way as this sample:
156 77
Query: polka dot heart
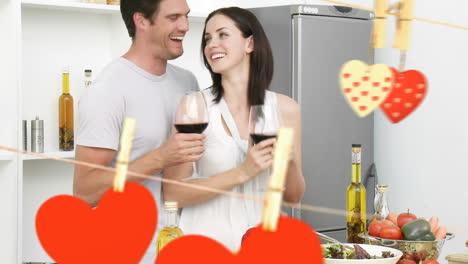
408 92
365 87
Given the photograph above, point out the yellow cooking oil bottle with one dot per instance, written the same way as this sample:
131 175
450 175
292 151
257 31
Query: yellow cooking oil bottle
356 201
171 230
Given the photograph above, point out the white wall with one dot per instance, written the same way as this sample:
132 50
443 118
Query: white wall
423 158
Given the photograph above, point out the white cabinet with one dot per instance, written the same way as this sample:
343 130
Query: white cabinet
39 38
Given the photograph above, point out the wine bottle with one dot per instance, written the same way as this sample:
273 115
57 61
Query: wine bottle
355 201
66 131
171 230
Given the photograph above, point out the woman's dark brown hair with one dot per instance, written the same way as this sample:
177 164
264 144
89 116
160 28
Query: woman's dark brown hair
261 58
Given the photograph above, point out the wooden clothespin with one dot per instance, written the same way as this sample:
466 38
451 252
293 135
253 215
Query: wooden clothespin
405 17
274 195
378 34
124 154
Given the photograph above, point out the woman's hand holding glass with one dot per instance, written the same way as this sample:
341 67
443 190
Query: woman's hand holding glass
264 122
259 158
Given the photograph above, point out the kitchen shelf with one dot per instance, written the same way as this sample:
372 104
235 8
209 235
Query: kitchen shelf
71 6
87 7
57 154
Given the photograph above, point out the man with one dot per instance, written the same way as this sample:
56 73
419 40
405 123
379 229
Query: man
141 85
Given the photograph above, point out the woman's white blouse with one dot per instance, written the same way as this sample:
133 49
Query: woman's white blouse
225 218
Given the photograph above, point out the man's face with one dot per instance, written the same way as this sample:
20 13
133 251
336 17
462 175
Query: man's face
170 23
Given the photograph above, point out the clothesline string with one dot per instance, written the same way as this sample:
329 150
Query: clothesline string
304 207
181 183
394 14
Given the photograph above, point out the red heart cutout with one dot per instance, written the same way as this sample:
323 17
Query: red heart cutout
409 90
293 242
119 230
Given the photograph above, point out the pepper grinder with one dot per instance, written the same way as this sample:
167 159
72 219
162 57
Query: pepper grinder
37 135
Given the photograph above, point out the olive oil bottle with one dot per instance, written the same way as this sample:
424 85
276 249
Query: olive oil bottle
171 231
355 201
66 123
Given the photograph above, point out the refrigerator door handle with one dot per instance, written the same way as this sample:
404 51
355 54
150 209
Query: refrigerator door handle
371 173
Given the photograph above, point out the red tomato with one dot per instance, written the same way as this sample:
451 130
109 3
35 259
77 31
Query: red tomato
408 255
406 261
375 227
420 255
391 232
405 218
430 261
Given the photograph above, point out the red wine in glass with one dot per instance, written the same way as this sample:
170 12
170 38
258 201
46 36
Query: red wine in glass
264 122
257 138
197 128
192 115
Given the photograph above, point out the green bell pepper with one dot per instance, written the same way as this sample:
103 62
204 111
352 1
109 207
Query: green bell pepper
427 237
417 230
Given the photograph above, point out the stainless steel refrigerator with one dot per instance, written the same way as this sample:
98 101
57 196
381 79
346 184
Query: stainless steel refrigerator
310 44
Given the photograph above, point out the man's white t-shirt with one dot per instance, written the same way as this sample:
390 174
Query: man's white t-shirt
125 90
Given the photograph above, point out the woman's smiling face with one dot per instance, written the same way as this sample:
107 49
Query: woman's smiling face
226 48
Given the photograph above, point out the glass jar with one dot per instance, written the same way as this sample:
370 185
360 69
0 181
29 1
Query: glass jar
380 202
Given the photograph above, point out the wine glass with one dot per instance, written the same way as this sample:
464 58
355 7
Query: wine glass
264 122
192 115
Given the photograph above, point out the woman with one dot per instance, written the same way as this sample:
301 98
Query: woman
238 55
